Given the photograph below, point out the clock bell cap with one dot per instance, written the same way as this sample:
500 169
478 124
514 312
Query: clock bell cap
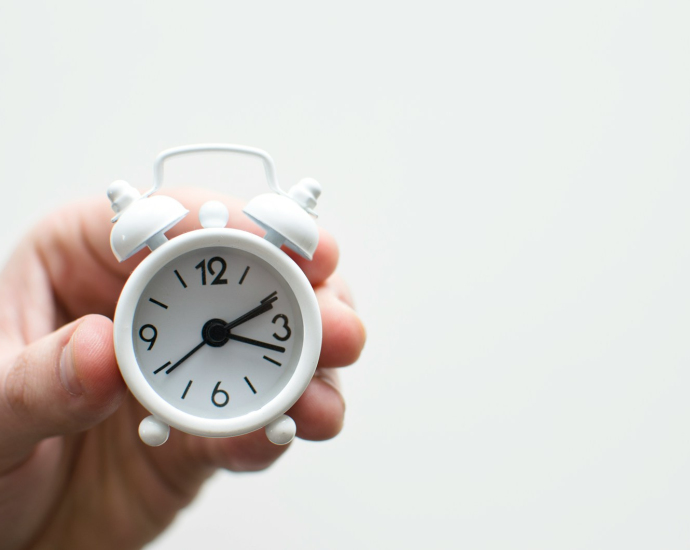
140 220
287 217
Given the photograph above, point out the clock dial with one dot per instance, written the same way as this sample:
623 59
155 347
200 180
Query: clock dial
217 332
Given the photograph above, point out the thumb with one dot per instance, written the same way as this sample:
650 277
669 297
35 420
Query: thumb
65 382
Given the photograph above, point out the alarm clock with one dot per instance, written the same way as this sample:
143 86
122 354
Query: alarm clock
217 332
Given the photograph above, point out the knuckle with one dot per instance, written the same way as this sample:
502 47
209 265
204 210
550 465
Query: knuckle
359 339
252 453
15 388
348 339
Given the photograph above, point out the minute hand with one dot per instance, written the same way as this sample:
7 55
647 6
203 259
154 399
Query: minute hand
258 310
257 343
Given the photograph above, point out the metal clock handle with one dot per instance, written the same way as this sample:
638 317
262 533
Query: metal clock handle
286 217
269 166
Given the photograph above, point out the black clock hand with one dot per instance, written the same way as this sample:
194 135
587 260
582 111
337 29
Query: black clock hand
266 304
197 348
257 343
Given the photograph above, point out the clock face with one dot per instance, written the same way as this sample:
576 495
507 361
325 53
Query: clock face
217 332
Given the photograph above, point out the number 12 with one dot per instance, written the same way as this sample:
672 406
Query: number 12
219 277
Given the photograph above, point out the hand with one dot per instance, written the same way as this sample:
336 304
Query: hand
70 455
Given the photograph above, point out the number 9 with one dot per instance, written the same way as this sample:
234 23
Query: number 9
151 340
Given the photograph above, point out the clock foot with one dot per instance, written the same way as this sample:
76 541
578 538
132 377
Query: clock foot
153 432
282 430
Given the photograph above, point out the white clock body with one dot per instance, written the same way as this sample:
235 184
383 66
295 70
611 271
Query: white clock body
250 374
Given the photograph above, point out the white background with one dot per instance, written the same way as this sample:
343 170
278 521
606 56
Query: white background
509 183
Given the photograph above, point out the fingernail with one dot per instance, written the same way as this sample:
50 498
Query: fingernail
68 375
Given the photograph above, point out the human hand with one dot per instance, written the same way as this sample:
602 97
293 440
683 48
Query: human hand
73 472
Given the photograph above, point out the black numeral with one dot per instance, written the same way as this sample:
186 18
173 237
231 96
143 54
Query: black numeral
202 265
219 277
288 332
151 340
217 391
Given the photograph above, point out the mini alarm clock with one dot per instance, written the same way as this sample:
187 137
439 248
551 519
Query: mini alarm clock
217 332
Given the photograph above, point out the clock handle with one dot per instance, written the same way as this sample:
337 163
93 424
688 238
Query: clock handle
269 166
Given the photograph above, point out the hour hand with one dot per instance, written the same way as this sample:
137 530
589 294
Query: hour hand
257 343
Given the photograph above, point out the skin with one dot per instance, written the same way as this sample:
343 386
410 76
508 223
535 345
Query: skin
73 472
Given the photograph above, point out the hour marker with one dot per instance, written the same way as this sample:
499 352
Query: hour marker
249 384
189 385
244 275
272 361
180 279
271 295
161 368
161 304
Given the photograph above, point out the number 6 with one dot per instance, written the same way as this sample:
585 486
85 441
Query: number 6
216 391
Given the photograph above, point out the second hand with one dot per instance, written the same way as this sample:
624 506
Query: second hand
197 348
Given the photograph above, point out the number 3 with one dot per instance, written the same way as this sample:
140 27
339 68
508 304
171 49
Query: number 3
285 326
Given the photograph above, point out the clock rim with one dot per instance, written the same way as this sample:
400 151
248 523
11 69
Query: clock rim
133 374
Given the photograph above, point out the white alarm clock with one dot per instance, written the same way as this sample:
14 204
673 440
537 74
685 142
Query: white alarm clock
217 332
